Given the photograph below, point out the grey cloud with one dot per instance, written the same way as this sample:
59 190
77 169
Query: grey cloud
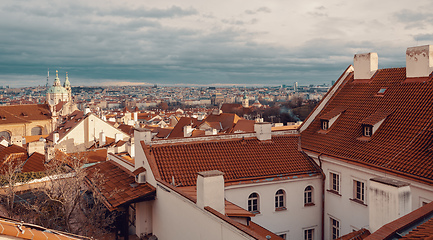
423 37
171 12
261 9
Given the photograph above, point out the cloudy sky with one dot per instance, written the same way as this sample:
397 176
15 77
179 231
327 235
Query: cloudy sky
195 42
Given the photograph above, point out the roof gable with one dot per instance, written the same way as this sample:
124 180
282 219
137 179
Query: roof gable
403 138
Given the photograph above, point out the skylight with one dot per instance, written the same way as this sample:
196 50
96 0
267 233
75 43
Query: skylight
381 91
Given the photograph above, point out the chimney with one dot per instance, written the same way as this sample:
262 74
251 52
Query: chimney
365 65
389 199
263 130
187 131
135 116
37 146
117 137
210 190
419 61
101 139
143 134
56 138
131 148
86 111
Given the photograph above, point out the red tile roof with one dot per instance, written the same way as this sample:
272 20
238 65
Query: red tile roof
24 113
119 186
401 143
412 219
244 126
20 230
356 235
35 163
69 122
177 131
239 159
227 120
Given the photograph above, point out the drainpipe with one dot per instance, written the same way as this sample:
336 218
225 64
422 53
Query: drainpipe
323 196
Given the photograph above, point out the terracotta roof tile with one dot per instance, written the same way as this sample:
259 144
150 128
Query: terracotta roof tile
35 163
356 235
239 159
119 187
24 113
400 144
12 228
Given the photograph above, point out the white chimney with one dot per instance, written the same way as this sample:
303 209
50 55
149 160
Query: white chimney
187 131
365 65
131 147
143 134
263 130
419 61
389 199
86 111
56 138
102 138
37 146
117 137
135 116
210 190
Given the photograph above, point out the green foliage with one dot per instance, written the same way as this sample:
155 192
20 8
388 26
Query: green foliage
23 177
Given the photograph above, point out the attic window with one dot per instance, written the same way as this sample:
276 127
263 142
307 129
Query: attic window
3 117
325 124
24 114
367 130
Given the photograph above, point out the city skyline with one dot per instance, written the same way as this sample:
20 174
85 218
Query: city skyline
194 43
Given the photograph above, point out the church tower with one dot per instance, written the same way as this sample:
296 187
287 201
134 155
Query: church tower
57 93
245 101
67 86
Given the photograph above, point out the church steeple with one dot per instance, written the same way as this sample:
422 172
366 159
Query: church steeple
57 80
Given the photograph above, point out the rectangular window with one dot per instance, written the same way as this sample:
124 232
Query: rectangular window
335 182
309 234
335 228
132 214
283 236
359 190
325 124
368 130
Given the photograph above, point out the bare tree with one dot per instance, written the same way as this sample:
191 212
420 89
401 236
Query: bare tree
9 178
65 186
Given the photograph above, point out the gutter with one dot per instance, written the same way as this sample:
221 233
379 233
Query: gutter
323 196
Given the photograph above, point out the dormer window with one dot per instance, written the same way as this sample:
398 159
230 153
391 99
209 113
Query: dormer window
372 123
329 118
367 130
325 124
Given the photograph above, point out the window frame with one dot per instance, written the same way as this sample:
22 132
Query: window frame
324 124
367 130
254 202
334 186
280 200
309 231
359 195
334 225
309 196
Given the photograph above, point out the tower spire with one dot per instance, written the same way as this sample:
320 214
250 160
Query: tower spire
48 77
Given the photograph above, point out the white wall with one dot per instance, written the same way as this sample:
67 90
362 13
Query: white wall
353 215
83 135
175 217
295 218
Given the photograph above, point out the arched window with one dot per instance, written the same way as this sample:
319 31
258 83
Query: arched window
280 200
253 202
6 135
36 131
308 196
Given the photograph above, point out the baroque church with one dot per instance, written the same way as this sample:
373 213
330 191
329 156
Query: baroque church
59 98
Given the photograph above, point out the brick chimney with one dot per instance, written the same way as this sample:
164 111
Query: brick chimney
365 65
210 190
419 61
